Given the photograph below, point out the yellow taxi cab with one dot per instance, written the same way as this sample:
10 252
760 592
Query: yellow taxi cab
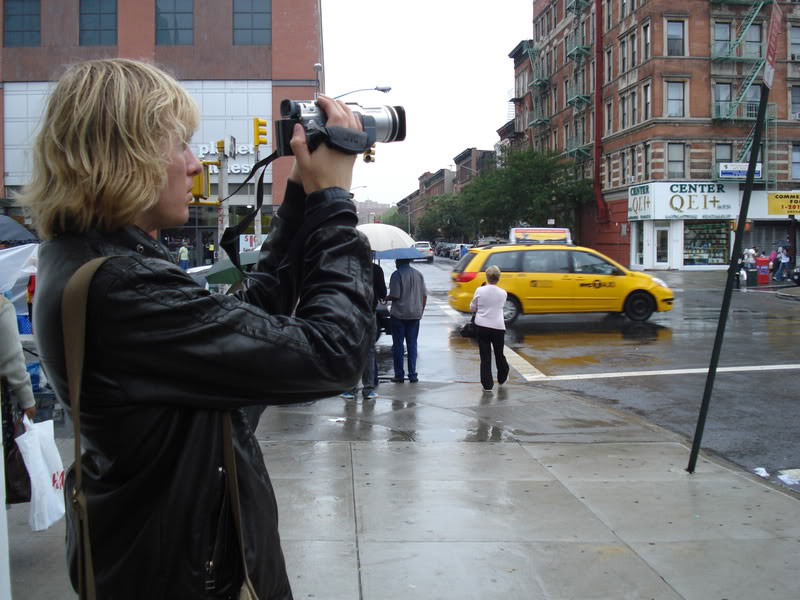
559 278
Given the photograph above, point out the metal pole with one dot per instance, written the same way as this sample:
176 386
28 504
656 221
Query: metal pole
732 273
223 217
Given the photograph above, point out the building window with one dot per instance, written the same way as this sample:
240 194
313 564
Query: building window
609 118
675 38
623 113
174 22
608 167
566 92
723 153
795 101
646 101
252 22
622 9
752 41
646 41
608 65
633 108
633 163
722 99
752 100
795 161
98 23
565 50
623 56
608 15
646 160
566 136
676 167
633 50
675 99
21 23
794 50
623 165
722 38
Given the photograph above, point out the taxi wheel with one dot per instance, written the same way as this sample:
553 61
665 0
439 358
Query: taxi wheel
639 306
511 310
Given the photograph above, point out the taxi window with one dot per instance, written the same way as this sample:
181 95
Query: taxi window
507 262
545 261
584 262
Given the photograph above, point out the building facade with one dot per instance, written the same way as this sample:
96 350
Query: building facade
237 58
656 101
469 165
415 204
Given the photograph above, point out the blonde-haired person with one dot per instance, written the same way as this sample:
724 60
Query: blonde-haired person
487 304
165 359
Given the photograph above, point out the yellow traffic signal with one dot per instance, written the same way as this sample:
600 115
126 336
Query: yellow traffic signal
369 155
259 131
201 184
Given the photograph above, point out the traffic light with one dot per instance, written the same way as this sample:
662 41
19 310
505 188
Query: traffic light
259 131
369 155
201 184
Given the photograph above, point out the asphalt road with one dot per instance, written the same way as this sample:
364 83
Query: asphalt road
755 411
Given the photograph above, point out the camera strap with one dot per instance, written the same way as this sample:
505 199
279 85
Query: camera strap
230 237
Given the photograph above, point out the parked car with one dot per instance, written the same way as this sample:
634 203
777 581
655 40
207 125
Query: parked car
796 276
425 248
443 249
559 278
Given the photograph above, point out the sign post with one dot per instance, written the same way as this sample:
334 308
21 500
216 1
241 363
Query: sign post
769 72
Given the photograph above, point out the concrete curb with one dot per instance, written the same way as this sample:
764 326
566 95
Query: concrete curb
786 296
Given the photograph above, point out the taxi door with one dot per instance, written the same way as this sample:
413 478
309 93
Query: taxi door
596 283
548 285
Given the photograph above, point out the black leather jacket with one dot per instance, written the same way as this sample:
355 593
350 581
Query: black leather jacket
164 359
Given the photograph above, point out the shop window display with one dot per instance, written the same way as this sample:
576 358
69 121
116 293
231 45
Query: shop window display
706 243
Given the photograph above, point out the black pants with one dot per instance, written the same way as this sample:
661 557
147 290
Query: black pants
489 338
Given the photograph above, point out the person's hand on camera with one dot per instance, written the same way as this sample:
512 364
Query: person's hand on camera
325 167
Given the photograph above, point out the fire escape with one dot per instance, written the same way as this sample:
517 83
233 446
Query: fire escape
540 86
744 56
577 91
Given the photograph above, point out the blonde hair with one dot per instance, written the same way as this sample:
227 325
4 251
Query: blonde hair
493 274
100 158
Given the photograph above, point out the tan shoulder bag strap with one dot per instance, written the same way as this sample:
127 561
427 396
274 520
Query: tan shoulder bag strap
73 317
248 591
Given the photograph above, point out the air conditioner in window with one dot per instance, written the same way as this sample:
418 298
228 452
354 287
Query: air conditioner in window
795 57
631 178
796 116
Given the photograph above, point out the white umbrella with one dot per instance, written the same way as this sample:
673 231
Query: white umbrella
385 237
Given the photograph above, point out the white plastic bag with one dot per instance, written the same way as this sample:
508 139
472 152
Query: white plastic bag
38 448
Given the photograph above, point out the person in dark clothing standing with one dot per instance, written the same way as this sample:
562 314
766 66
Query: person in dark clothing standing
369 378
168 363
409 296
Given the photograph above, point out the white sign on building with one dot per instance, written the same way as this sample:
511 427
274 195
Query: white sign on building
667 200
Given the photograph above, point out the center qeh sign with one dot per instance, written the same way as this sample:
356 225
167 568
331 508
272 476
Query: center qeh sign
683 200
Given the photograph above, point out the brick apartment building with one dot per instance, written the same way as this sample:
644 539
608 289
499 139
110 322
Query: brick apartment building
415 204
679 85
237 58
469 165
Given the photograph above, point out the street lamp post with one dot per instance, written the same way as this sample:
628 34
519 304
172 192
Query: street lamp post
380 88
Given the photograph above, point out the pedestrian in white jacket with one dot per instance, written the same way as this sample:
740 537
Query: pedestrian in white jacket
12 359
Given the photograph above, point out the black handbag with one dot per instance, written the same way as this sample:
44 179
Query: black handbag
469 330
18 482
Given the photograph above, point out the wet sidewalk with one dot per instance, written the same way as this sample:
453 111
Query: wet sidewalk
438 490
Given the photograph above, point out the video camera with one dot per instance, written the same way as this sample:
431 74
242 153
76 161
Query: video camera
380 124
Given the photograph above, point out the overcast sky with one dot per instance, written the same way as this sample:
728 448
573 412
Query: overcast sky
447 63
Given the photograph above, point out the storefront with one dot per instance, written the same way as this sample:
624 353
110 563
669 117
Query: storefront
688 225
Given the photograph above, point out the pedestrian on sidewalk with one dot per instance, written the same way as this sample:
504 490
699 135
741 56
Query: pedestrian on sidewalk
409 296
172 370
12 369
487 304
369 378
783 267
183 256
